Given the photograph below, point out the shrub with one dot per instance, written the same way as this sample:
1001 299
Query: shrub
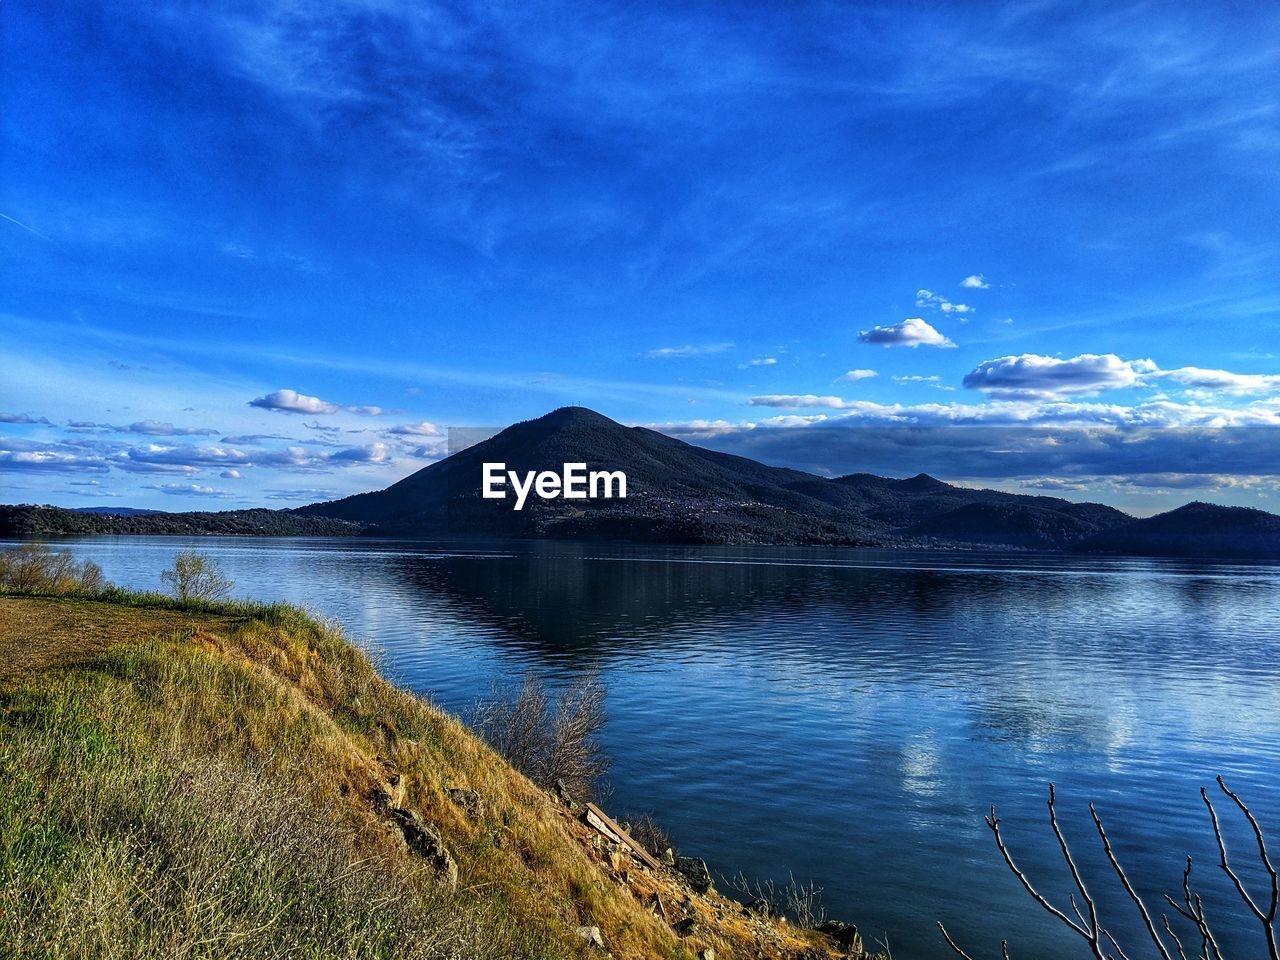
801 902
549 738
197 576
37 568
650 834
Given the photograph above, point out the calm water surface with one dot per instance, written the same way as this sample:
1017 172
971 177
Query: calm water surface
849 716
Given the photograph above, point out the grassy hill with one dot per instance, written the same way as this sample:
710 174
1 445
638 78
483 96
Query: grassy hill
228 780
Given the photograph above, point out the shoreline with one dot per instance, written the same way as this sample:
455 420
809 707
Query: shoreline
439 796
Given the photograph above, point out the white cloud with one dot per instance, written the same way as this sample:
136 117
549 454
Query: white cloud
371 453
1162 414
763 362
854 375
916 378
1222 381
183 456
1053 444
290 401
149 428
1052 483
975 281
49 460
310 495
791 401
187 490
927 298
1031 375
158 428
231 475
911 332
424 429
688 350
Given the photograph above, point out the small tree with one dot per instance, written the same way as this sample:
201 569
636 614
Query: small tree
197 576
36 568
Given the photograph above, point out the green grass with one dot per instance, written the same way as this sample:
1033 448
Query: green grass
203 793
211 780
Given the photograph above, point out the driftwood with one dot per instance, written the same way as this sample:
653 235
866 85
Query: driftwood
597 818
1084 920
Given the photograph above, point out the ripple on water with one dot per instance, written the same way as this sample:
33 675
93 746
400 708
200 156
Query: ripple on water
847 715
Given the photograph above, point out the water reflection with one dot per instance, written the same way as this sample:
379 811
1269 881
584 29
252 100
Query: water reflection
847 715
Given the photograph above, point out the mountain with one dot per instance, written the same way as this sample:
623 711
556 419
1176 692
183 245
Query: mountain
681 493
684 494
1196 530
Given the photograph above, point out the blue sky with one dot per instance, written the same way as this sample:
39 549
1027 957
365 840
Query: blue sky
764 227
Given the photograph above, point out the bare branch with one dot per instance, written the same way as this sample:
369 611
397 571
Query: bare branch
953 945
1267 917
1115 945
1090 935
1182 955
1194 912
1128 887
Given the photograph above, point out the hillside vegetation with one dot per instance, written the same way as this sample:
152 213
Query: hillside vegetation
29 520
187 779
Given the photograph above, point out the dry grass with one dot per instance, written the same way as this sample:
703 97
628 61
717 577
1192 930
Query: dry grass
201 781
39 633
175 784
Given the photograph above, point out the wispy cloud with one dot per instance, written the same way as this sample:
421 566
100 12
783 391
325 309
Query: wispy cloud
150 428
852 376
795 401
1223 381
188 490
302 495
927 298
688 350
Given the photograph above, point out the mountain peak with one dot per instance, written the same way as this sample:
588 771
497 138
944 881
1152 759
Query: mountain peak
573 417
922 481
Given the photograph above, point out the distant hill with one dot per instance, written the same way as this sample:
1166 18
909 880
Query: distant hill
681 493
1013 524
28 520
1196 530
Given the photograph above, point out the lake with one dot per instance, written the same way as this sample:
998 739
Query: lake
848 716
